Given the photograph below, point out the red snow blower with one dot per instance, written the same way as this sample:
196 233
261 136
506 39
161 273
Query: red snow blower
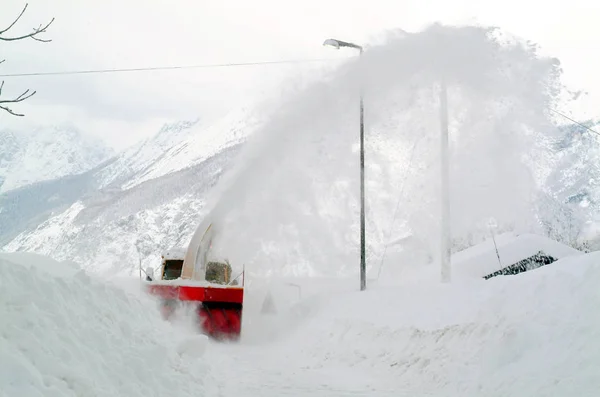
205 287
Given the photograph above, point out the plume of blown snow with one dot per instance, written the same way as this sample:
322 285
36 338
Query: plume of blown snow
291 206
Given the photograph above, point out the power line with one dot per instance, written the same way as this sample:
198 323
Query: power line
214 65
575 121
155 68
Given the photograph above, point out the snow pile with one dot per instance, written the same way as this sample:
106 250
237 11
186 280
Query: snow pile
65 333
534 334
404 266
481 260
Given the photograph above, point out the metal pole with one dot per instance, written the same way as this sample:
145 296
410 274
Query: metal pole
497 253
445 179
139 259
363 258
492 225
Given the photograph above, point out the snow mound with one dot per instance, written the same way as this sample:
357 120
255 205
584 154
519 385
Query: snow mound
481 260
536 333
43 263
67 334
470 264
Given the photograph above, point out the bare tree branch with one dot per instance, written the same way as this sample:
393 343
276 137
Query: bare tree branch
15 21
25 95
20 98
33 35
41 30
11 112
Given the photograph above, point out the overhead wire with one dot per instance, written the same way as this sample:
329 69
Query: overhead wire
576 122
158 68
216 65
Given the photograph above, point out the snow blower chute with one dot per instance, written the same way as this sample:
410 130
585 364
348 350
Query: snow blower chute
195 280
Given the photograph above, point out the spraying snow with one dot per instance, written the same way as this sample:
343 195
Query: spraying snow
291 205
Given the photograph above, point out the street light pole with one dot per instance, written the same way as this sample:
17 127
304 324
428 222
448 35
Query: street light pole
363 254
445 249
363 257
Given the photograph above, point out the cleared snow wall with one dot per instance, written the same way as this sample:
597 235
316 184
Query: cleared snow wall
64 333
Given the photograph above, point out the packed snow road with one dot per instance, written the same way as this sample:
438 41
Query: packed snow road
64 333
272 358
266 372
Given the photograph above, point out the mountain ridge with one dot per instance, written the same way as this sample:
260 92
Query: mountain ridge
47 153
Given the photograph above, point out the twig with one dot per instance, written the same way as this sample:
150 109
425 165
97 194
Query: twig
15 21
25 95
32 35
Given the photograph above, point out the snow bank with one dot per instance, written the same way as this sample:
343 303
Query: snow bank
537 333
481 260
32 260
470 264
64 333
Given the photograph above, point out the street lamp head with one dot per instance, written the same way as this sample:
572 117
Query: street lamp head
332 43
339 43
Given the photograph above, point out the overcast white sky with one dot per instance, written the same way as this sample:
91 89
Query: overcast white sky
122 108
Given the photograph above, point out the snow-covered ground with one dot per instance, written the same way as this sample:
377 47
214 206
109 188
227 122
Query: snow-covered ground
64 332
535 334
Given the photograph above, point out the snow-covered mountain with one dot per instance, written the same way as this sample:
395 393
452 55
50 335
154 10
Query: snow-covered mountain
575 183
576 178
47 153
103 231
177 146
152 192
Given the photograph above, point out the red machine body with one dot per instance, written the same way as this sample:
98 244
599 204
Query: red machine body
202 283
219 308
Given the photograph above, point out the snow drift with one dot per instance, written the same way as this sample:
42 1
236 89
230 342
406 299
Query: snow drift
65 333
533 334
472 263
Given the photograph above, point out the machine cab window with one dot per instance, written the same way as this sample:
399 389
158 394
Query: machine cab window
218 272
172 269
